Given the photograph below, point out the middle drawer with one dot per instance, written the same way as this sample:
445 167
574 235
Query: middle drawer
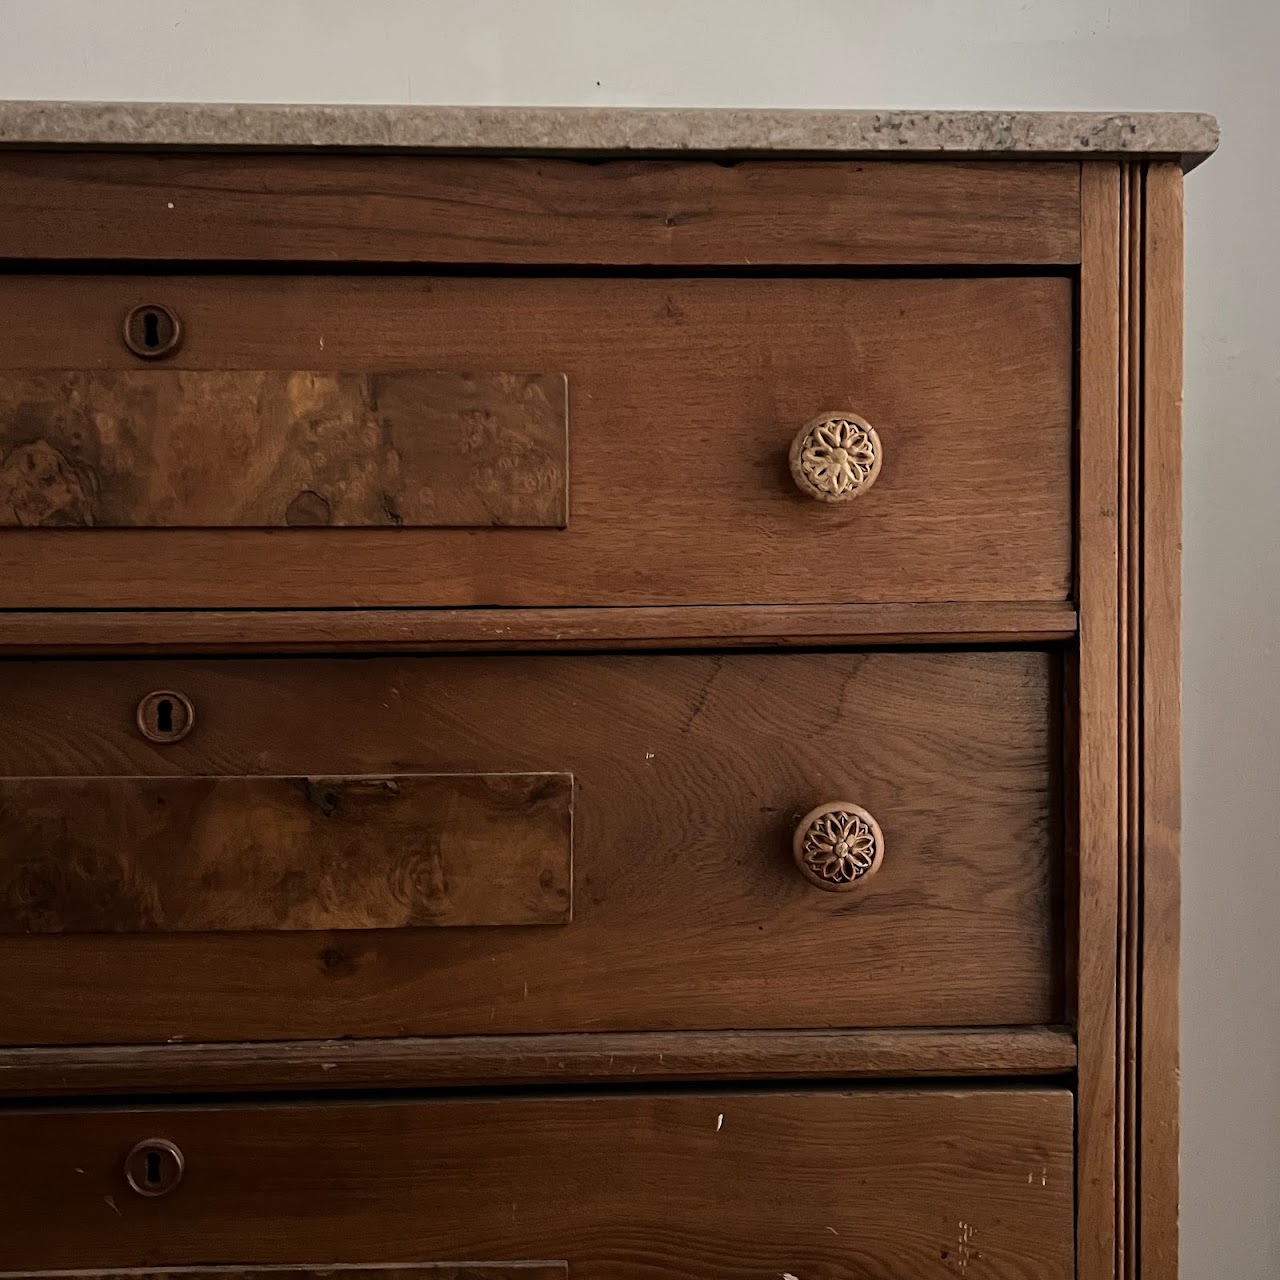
296 848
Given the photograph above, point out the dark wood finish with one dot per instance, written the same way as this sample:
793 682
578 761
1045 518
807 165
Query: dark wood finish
896 1183
292 631
632 1057
421 209
181 855
357 1271
181 448
687 394
691 771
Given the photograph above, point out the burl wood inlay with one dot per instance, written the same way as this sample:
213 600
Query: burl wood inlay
171 448
174 855
423 1271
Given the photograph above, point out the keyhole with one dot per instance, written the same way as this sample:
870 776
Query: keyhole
165 716
152 331
154 1167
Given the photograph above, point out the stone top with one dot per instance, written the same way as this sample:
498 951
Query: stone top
1186 136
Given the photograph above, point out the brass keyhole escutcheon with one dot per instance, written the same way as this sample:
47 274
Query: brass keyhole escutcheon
154 1167
152 331
166 716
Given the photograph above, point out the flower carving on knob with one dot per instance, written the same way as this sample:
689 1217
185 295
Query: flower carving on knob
838 845
836 457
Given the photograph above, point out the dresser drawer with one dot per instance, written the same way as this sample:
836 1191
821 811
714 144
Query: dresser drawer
720 1185
300 848
400 441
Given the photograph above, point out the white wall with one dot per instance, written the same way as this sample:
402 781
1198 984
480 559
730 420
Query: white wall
1214 55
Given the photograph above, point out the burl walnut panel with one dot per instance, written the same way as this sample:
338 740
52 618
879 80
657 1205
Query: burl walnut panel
721 1185
199 449
179 855
351 1271
687 394
691 772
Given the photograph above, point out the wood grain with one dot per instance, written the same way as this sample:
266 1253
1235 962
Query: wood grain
174 448
357 1271
690 770
681 488
1127 984
1129 907
422 209
721 1185
181 855
1098 723
630 1057
1161 712
291 631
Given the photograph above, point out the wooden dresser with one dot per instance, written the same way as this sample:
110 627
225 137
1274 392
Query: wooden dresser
589 694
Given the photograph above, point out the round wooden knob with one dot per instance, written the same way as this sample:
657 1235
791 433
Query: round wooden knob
836 456
838 846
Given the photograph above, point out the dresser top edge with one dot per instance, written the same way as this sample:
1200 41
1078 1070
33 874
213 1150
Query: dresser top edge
789 133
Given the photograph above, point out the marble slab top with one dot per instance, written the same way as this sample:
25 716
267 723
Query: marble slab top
1186 136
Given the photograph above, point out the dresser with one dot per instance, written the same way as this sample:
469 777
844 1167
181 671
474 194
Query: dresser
589 694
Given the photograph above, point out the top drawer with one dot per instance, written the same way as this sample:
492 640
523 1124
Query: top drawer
399 441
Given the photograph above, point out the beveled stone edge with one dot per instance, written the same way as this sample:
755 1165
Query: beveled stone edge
1188 136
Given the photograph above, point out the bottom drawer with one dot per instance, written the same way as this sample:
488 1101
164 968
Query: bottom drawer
721 1185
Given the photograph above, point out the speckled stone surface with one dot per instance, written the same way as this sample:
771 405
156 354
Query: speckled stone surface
1187 136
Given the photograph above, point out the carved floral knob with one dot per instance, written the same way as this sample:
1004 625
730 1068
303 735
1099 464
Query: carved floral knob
837 846
836 457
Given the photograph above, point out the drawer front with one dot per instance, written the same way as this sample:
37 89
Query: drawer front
720 1185
428 417
694 905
